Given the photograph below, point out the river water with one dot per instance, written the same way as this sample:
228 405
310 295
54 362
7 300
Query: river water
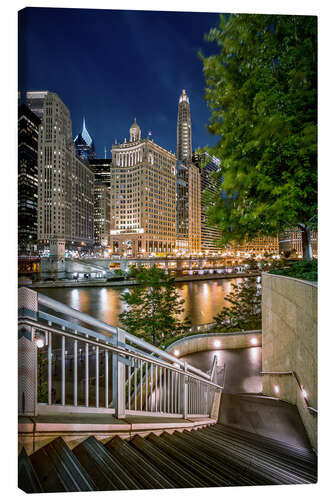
203 299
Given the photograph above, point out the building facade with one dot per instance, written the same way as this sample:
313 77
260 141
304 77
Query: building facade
143 197
84 145
101 169
258 246
290 242
188 184
35 101
65 183
194 210
184 129
210 236
28 124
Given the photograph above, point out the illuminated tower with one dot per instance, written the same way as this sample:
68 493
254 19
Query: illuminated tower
84 145
184 129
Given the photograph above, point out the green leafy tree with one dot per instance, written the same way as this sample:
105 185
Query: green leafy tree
261 88
154 307
244 312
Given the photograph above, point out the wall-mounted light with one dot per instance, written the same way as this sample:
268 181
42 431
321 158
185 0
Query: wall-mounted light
39 339
305 394
217 343
276 389
254 341
176 352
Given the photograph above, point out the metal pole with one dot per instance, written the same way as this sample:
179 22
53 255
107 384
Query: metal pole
97 376
87 375
63 361
49 369
185 392
75 372
106 378
141 384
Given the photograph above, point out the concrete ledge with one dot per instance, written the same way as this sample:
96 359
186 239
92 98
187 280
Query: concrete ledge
207 342
34 435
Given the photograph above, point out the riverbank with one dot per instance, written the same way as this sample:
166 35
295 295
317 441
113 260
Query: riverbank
105 283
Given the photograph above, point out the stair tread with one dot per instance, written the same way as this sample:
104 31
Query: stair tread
105 470
59 470
27 478
135 462
181 477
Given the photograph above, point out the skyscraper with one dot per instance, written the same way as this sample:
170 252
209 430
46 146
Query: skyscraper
207 165
65 188
188 201
184 130
28 124
101 169
143 197
84 145
35 101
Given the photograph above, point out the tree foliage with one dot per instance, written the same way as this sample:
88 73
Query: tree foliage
261 88
244 313
154 307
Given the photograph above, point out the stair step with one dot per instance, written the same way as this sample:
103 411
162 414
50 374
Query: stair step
148 476
177 473
104 469
231 473
58 469
264 452
193 464
304 454
268 468
27 477
240 468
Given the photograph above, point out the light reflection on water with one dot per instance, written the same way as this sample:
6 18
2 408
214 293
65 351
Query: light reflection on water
203 299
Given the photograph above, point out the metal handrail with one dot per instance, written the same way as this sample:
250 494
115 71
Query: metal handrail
64 309
116 349
294 374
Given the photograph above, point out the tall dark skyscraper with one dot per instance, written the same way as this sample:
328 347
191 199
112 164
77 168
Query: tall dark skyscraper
102 198
184 129
84 145
207 165
28 124
35 101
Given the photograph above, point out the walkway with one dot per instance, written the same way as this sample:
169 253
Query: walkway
243 368
242 407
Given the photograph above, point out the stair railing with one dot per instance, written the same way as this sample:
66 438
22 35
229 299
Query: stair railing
292 373
72 362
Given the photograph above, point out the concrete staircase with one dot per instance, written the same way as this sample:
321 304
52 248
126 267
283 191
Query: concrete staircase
218 455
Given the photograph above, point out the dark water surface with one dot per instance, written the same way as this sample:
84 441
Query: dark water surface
203 299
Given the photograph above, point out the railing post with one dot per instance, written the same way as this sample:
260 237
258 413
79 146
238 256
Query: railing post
184 392
118 379
27 354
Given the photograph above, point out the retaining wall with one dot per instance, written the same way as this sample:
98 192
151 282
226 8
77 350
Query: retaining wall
289 343
206 342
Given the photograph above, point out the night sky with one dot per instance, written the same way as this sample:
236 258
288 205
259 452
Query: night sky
112 66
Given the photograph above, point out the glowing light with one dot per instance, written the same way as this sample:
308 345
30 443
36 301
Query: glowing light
254 341
39 343
217 343
305 394
176 352
276 389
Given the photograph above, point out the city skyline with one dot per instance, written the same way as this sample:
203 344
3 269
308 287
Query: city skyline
112 78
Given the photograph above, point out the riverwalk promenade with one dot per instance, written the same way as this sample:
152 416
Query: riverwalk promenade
103 282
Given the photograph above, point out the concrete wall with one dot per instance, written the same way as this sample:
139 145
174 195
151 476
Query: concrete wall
289 343
206 342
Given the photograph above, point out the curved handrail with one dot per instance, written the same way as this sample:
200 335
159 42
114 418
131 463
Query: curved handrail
294 374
